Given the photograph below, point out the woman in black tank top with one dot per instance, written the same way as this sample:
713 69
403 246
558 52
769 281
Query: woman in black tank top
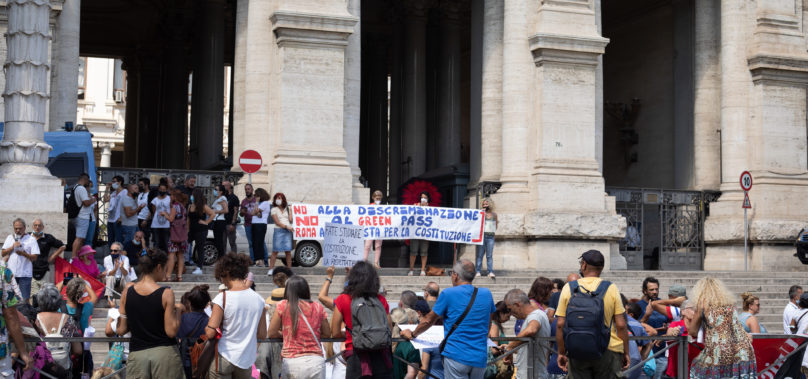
149 312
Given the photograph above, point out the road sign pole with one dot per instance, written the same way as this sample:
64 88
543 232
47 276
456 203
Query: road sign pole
249 176
745 241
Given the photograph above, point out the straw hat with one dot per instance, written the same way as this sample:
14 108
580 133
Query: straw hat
276 296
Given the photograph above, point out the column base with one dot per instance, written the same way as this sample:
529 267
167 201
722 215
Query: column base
29 192
762 257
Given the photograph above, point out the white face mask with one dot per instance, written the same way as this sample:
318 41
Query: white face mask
115 185
377 202
424 200
278 202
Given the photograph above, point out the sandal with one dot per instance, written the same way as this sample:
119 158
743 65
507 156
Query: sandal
179 279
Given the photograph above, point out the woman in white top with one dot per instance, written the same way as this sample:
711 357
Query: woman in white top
489 229
161 206
282 237
220 221
260 216
239 312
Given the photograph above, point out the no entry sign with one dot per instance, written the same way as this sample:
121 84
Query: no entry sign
250 161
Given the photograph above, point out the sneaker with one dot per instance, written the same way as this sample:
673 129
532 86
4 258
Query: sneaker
409 273
198 271
491 275
423 273
477 275
270 271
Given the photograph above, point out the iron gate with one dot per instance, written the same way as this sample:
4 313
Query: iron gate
665 229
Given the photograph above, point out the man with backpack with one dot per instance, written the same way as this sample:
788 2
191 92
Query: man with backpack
592 333
80 206
466 311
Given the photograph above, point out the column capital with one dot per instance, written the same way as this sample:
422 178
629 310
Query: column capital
311 30
784 69
553 48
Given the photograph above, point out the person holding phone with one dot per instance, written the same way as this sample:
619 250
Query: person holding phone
419 246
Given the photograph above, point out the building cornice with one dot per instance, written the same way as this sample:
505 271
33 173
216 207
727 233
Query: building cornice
563 49
788 69
312 30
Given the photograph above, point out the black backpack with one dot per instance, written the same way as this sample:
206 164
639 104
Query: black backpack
71 207
586 335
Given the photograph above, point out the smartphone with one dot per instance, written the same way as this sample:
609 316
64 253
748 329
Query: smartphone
67 278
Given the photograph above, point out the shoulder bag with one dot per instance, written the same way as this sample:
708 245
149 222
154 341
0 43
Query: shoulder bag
205 350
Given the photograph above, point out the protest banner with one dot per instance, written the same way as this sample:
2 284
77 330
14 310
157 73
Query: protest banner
392 222
62 266
343 244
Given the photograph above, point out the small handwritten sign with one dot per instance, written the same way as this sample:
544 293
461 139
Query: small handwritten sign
343 244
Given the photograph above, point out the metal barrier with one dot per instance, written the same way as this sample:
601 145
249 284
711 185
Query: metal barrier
681 343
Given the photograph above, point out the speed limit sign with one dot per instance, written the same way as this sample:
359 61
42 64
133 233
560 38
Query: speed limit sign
746 181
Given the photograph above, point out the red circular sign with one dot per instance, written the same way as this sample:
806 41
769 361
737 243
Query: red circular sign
250 161
746 181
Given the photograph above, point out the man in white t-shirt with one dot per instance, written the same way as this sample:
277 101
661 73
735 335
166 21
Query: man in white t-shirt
116 271
791 308
536 324
114 210
21 249
83 200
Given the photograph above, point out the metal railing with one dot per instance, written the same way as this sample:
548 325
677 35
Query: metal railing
681 343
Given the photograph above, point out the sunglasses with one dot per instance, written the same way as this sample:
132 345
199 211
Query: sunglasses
115 250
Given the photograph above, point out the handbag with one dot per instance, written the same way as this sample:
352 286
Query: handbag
114 358
178 231
205 350
434 271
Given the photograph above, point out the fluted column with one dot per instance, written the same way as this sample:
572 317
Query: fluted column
394 151
375 145
207 110
148 111
707 104
449 111
23 151
413 133
491 159
174 113
65 65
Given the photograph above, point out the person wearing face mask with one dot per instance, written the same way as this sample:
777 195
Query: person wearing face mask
375 244
419 246
489 229
133 249
128 216
161 206
41 266
259 217
246 209
21 249
143 212
221 210
113 200
200 215
282 237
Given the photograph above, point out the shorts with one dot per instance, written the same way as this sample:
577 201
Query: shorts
82 224
156 362
417 246
281 240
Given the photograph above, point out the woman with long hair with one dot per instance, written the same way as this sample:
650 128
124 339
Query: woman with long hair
150 312
178 235
200 215
260 217
728 351
539 296
302 323
751 307
363 281
282 237
220 221
238 314
489 230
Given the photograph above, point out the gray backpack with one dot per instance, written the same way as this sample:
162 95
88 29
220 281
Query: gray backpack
370 328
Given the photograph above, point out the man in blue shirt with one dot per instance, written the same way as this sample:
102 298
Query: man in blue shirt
635 328
465 354
650 292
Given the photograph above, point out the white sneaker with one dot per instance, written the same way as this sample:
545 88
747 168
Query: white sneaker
491 275
270 271
409 273
423 273
477 275
198 271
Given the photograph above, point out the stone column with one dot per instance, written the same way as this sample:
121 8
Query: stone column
353 89
148 111
174 130
394 151
310 45
413 126
516 81
207 111
491 159
449 81
240 79
23 151
375 145
131 121
475 98
64 66
106 153
707 103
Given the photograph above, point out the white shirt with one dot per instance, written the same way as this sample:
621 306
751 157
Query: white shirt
81 195
242 313
114 211
109 265
161 205
19 265
264 207
114 314
143 199
283 217
217 206
788 314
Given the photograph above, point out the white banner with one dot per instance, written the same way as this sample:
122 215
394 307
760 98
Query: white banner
392 222
343 244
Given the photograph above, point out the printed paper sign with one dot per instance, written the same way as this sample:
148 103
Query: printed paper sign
431 338
393 222
343 244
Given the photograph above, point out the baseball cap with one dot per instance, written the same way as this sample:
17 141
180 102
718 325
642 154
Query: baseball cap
593 258
677 290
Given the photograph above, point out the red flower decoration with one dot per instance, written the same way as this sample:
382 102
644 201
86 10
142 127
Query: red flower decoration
411 194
